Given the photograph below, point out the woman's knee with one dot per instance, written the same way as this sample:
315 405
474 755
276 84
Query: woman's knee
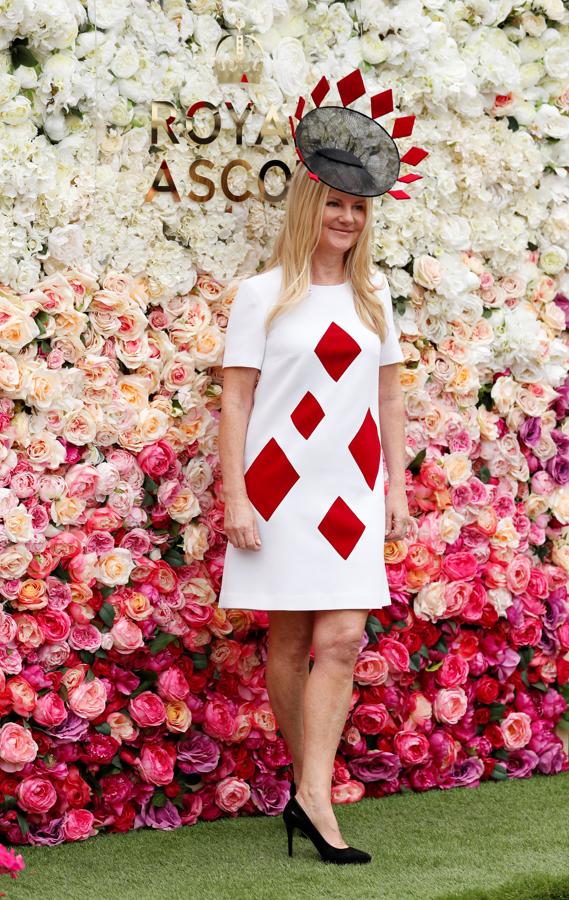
340 645
290 637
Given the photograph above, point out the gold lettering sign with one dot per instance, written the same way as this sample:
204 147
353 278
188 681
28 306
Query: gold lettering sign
165 115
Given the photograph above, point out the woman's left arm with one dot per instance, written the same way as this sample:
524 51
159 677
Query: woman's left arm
392 426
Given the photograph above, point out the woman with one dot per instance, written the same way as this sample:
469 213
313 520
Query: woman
305 508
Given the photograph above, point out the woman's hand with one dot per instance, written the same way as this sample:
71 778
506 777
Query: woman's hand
397 518
240 524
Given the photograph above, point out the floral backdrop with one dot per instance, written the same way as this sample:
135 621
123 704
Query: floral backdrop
127 698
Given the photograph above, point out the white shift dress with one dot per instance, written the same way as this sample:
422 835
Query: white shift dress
312 459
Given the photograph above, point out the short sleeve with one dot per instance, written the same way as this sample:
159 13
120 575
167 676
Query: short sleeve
390 350
245 333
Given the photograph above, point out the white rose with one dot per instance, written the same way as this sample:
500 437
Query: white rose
15 111
553 260
290 66
207 31
107 13
126 62
65 243
556 61
550 122
9 87
553 9
373 49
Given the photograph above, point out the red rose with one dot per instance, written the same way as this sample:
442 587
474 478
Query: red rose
486 689
99 750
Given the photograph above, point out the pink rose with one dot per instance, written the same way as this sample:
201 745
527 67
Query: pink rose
78 824
17 747
36 794
231 793
516 729
156 459
147 709
81 481
370 718
23 695
453 671
155 765
172 684
396 655
55 624
127 636
349 792
450 705
411 747
371 668
88 700
50 710
518 574
85 637
460 566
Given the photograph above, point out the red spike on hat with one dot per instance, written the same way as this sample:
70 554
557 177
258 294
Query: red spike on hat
412 176
300 108
414 156
399 195
320 91
381 103
351 87
244 77
403 126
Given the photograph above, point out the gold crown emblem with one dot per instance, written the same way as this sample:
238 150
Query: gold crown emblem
239 58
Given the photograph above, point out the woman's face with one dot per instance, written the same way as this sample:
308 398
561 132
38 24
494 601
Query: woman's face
342 221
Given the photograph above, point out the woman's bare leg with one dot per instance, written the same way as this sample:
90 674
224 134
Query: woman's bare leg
336 639
286 674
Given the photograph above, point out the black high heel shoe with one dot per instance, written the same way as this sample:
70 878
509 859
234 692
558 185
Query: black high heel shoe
295 817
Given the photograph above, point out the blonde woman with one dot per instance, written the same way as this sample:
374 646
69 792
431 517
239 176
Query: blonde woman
311 404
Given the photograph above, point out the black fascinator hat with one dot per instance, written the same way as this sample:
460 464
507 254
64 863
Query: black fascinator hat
348 150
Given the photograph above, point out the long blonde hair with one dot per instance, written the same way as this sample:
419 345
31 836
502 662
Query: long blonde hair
297 240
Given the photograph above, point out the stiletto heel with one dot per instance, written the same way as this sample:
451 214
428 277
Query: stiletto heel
290 832
295 816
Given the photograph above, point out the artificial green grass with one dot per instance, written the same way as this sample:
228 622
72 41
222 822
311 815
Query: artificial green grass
504 840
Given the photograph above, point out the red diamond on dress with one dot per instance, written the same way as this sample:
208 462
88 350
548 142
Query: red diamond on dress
341 527
336 350
269 478
307 414
365 447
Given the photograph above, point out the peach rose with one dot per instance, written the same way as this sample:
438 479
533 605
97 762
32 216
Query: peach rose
450 705
121 726
427 271
115 567
88 700
17 747
371 668
516 729
178 716
127 636
18 525
32 594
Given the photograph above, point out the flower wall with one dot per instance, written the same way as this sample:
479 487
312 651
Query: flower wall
127 698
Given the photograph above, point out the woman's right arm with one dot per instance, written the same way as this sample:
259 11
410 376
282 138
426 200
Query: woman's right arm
240 523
